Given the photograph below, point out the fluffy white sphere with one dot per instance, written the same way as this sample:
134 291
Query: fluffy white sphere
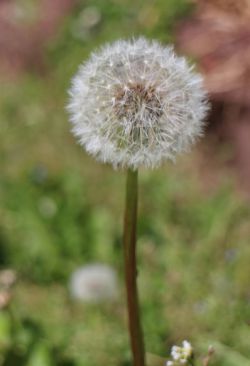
136 103
93 283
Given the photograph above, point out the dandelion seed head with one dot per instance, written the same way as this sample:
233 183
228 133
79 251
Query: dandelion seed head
93 283
151 104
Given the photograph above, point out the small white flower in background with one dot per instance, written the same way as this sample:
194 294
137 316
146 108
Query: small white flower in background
187 349
93 283
8 278
5 298
135 103
182 354
169 363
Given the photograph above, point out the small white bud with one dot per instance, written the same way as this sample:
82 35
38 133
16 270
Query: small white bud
182 354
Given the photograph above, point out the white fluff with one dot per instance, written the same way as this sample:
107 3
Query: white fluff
135 103
93 283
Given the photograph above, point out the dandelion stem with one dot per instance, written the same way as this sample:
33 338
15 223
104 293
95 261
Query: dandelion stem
130 221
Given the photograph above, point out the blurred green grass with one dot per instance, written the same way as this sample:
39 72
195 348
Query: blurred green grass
61 209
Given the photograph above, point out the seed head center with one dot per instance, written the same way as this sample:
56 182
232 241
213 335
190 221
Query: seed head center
136 102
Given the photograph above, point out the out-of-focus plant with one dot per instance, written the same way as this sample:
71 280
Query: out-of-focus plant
94 283
218 36
46 208
25 29
22 341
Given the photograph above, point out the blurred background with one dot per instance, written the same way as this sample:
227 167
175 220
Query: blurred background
61 272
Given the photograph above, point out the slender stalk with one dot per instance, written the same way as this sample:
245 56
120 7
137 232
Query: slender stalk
209 356
130 221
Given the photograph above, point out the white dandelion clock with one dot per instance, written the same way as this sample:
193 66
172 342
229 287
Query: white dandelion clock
93 283
135 103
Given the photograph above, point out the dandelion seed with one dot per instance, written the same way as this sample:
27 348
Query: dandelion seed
152 104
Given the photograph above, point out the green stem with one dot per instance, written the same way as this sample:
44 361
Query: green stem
130 221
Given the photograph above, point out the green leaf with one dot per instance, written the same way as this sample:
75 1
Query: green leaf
40 356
